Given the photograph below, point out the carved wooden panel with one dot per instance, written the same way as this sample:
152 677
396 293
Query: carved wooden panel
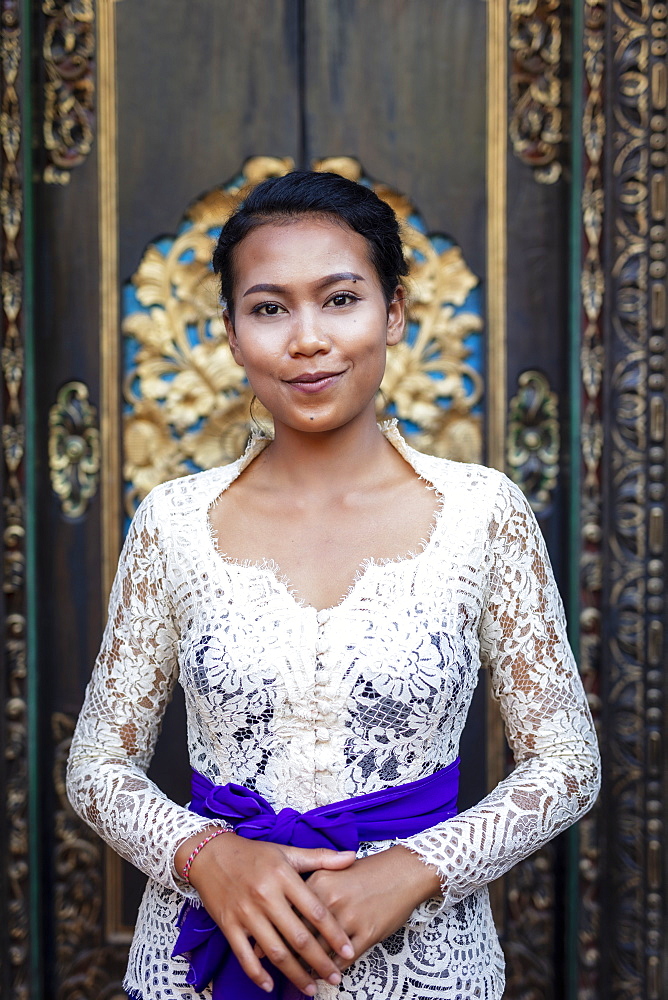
634 650
17 944
536 34
69 90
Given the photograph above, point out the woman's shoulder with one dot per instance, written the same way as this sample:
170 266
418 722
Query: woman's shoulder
447 474
470 491
186 494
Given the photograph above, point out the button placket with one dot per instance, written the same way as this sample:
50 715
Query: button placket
322 649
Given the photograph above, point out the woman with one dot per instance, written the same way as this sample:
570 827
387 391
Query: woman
326 603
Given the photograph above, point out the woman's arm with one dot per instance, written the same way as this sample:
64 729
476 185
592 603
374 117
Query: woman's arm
544 708
120 720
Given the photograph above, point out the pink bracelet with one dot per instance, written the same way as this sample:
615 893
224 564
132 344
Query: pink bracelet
212 836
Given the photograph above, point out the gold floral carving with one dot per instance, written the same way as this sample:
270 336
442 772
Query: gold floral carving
69 91
535 85
533 439
16 941
74 449
188 402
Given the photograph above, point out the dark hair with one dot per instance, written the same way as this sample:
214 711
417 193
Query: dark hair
306 192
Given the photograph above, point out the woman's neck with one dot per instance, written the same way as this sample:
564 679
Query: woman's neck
324 462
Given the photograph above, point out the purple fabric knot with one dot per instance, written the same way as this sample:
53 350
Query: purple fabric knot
388 814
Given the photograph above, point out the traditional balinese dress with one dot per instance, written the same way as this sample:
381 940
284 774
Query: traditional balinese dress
309 707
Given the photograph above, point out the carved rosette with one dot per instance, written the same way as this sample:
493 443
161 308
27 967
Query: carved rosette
74 449
188 402
14 931
69 91
535 85
533 440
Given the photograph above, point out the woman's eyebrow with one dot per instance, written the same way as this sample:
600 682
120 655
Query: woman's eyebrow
330 279
278 289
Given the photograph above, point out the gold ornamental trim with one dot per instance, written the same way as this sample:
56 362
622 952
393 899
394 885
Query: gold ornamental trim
74 449
497 255
110 336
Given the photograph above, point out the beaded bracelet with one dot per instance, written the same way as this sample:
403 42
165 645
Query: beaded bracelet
216 833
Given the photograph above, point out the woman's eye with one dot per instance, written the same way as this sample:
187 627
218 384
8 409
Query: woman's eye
342 299
268 309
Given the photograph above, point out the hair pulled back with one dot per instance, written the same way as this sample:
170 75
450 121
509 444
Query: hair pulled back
328 195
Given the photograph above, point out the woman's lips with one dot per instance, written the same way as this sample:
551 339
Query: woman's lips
313 382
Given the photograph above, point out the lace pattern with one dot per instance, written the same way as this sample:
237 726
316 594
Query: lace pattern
312 706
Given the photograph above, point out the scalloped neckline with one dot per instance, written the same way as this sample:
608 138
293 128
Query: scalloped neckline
270 568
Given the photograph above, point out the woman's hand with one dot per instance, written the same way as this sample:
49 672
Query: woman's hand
375 896
254 890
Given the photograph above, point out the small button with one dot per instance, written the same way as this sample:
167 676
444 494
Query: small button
322 734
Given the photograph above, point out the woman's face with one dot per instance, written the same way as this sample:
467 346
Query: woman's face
311 325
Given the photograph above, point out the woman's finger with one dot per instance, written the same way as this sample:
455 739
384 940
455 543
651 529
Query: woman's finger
340 963
278 952
311 859
248 960
289 933
315 913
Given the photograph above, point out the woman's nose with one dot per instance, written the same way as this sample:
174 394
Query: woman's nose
308 337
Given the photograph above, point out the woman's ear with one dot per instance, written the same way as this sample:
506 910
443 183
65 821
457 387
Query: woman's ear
396 317
232 338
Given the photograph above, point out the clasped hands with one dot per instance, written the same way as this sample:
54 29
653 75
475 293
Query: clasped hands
309 929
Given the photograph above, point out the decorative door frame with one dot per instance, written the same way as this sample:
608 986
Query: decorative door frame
618 299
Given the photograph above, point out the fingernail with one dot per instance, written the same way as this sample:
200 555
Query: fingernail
310 991
347 951
334 979
267 987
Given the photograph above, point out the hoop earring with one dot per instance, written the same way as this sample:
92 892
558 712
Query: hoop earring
253 419
383 413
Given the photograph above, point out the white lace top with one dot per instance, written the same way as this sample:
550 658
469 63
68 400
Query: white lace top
309 707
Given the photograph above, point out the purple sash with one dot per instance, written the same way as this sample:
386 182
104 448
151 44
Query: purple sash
388 814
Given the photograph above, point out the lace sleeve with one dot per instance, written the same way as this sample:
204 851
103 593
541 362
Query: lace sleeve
120 720
544 708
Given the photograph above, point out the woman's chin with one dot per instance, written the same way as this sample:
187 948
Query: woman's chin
319 422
